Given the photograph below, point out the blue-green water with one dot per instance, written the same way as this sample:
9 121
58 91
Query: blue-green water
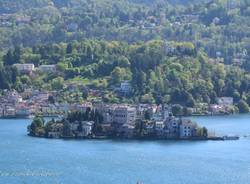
30 160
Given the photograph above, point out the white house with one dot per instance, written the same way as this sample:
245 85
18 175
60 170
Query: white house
47 68
125 87
227 101
87 128
27 68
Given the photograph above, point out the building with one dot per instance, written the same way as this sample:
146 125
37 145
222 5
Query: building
226 101
23 112
13 97
25 68
9 112
47 68
1 111
216 109
171 127
126 87
124 115
188 129
159 128
74 126
56 130
86 129
107 117
126 131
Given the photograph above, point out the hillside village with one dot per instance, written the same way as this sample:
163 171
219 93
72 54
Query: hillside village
32 102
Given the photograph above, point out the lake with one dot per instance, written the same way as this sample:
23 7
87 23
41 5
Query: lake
29 160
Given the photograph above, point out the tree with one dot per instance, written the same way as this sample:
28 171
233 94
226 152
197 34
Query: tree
147 115
120 74
57 83
177 110
123 62
243 107
8 58
51 99
37 127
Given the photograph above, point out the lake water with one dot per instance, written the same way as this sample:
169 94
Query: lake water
30 160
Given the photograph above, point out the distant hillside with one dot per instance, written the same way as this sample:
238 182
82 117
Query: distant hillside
12 6
159 72
220 27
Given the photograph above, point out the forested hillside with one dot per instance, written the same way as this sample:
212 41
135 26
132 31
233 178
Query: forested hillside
220 27
171 51
159 71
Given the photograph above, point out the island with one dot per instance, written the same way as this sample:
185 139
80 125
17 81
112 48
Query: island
119 122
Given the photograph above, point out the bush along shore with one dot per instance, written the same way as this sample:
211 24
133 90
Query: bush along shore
91 124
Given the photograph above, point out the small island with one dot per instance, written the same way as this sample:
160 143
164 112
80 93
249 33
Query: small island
119 122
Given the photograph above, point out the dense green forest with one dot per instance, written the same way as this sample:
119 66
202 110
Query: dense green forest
182 74
220 27
171 51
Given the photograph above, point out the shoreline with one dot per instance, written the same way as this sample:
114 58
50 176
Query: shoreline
105 138
194 115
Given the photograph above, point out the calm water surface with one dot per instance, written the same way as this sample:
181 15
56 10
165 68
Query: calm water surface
30 160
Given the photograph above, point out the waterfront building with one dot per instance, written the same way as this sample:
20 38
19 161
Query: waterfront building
187 129
86 128
9 112
171 128
124 115
56 130
126 131
22 111
166 110
1 111
73 126
159 128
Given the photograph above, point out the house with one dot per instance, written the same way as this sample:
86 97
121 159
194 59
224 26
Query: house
142 109
126 87
1 111
14 97
166 110
9 112
216 109
159 128
225 101
124 115
47 68
106 111
150 127
86 128
126 131
81 107
25 68
23 19
74 126
56 130
171 127
107 117
187 129
23 112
